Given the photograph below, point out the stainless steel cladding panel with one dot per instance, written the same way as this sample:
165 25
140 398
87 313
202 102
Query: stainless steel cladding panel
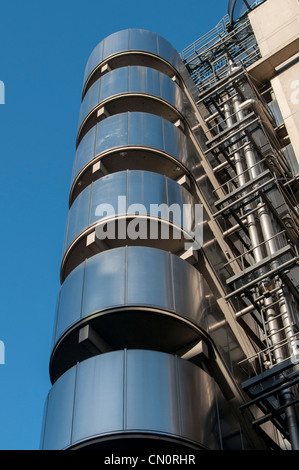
113 83
152 280
132 40
116 194
69 301
104 285
100 396
134 129
131 79
59 413
78 217
143 40
145 130
128 306
148 393
131 276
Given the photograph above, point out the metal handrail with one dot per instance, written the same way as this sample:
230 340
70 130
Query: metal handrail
209 57
267 352
247 253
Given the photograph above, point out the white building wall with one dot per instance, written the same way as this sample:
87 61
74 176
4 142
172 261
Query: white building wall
276 25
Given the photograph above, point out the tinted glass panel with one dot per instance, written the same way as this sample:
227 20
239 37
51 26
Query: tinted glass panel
200 387
135 126
171 92
152 131
176 143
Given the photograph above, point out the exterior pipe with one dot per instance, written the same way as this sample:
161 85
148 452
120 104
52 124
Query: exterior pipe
271 245
253 171
251 222
251 219
267 120
266 226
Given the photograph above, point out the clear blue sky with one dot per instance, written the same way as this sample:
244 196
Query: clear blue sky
44 47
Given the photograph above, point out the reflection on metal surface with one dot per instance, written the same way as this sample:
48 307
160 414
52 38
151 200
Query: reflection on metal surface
130 40
132 79
150 394
124 193
131 207
133 297
144 132
144 326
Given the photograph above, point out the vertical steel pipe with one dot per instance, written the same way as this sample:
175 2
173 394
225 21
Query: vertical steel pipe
268 232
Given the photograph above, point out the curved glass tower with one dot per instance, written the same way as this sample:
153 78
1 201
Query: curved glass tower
144 338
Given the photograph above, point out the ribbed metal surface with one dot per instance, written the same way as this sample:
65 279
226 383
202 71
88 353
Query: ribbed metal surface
146 393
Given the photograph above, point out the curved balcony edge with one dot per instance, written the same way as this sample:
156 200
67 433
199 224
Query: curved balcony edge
143 441
129 101
132 40
121 384
176 241
141 158
99 333
129 58
122 301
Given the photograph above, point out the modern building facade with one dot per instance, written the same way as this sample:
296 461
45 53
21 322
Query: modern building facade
177 319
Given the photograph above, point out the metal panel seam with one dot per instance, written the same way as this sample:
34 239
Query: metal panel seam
126 287
218 415
100 88
177 368
89 203
158 47
74 402
45 423
170 257
95 141
56 320
83 288
125 358
163 133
